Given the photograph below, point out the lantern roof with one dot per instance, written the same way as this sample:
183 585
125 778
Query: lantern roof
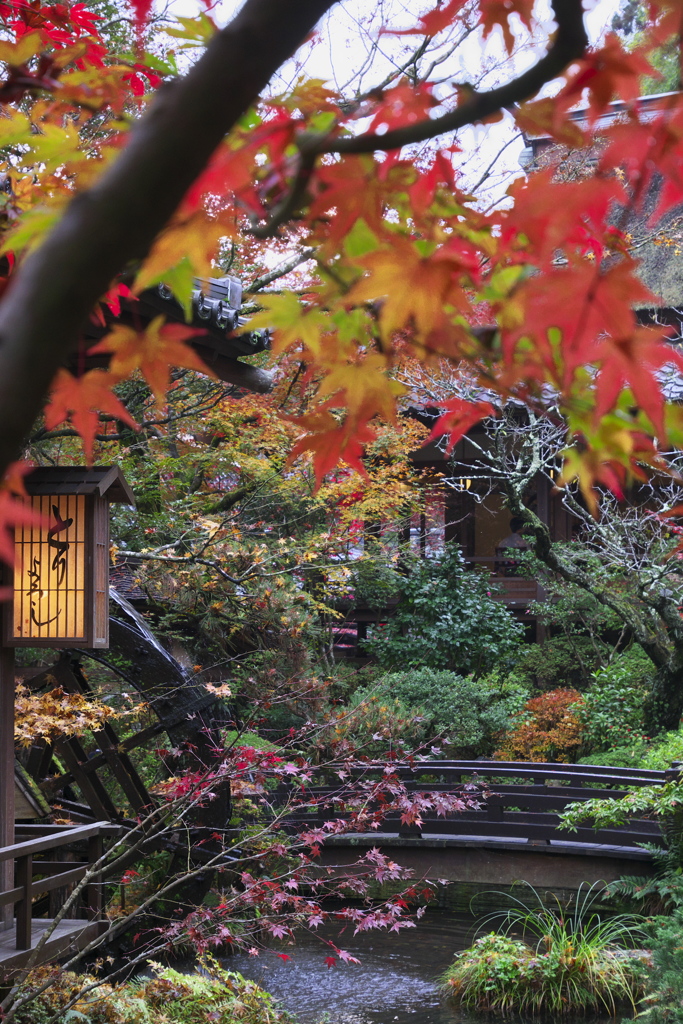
105 481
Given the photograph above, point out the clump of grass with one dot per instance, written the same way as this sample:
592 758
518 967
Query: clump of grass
564 964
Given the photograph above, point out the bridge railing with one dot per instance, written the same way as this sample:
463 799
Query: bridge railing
518 800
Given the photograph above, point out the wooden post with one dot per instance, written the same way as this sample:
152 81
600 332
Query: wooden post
24 879
94 891
6 776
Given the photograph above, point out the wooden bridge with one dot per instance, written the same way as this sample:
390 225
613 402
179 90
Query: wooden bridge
515 834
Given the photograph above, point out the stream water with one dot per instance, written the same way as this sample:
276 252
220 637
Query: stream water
395 983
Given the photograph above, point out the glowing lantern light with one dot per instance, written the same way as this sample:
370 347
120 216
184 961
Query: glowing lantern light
61 576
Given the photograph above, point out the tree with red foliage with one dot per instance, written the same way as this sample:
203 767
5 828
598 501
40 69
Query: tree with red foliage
404 255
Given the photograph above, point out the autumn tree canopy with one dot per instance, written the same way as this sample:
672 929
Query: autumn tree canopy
111 187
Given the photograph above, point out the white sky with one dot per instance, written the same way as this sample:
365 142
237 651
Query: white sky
350 32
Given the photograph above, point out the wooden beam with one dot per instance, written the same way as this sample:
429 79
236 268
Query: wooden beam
6 776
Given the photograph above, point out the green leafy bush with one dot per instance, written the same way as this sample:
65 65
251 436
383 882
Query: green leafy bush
447 618
667 748
633 756
578 963
664 984
371 725
565 661
611 713
468 713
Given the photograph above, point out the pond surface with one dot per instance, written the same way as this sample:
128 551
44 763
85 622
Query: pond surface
395 983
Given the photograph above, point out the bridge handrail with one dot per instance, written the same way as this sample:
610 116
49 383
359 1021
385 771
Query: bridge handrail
513 810
534 770
531 768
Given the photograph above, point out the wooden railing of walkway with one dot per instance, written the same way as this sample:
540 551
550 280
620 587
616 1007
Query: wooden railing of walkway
49 859
518 801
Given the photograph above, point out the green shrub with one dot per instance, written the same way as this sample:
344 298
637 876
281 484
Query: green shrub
469 713
447 618
578 963
232 738
372 724
612 710
664 983
561 661
665 749
633 756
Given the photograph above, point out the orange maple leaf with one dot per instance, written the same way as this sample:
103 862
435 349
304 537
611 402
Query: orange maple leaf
350 190
152 351
195 238
544 116
13 480
414 288
81 400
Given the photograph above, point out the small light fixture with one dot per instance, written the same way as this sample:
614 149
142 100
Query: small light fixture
61 574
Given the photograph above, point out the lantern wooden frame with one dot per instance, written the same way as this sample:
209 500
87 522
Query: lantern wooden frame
66 566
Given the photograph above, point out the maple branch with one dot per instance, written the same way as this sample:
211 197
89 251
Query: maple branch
486 174
117 220
569 44
290 204
284 268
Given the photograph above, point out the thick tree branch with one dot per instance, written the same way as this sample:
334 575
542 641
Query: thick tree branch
117 220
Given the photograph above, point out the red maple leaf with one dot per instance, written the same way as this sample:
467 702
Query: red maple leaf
497 12
331 441
607 73
642 150
551 215
457 417
634 361
428 181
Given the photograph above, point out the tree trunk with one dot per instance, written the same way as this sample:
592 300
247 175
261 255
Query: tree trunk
664 705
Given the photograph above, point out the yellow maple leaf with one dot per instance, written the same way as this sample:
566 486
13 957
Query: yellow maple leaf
291 321
364 385
414 288
153 352
16 54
